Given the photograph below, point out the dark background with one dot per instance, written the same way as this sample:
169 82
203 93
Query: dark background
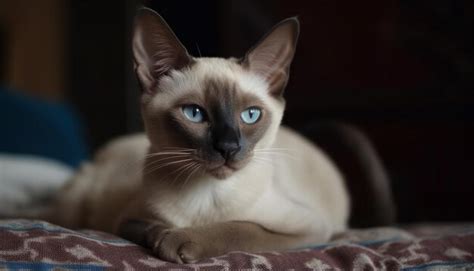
401 70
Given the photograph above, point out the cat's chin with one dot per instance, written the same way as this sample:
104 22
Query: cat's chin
222 172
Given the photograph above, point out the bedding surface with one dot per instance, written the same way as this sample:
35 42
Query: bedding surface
37 245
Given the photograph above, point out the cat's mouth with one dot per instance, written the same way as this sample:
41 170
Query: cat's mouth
223 170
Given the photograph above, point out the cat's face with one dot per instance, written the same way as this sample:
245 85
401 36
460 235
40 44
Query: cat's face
215 108
210 113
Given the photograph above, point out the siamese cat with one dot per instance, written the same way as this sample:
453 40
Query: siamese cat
215 171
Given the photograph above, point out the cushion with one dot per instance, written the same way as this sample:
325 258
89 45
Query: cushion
28 244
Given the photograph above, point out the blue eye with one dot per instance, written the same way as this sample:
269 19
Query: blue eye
251 115
193 113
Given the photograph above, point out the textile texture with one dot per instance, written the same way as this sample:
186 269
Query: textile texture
28 244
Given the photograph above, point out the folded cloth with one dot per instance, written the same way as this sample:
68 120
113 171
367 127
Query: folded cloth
28 183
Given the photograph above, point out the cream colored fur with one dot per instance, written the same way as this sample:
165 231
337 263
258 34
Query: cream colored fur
295 191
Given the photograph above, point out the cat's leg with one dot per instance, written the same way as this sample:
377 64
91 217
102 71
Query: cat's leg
137 223
188 245
139 230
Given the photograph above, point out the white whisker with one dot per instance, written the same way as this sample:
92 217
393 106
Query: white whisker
188 166
173 172
168 153
154 162
177 148
264 161
165 165
192 172
274 153
275 149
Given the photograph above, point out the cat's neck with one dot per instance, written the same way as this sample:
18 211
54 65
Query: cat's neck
179 178
204 194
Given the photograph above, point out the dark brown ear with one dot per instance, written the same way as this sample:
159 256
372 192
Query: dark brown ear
156 49
272 56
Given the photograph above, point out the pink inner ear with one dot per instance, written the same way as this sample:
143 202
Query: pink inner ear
166 50
147 82
163 63
156 49
271 59
272 56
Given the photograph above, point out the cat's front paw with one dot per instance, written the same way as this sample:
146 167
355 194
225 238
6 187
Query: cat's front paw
179 246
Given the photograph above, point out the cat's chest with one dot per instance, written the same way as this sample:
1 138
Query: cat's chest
207 202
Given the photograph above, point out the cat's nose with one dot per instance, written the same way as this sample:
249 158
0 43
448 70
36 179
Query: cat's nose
227 149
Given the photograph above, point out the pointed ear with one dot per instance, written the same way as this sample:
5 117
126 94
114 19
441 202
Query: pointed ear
156 49
272 56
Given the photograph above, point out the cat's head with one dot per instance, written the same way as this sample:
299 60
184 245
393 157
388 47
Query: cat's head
211 113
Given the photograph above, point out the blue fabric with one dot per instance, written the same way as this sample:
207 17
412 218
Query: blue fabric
35 127
9 265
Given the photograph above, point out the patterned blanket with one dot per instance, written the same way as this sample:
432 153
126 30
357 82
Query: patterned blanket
37 245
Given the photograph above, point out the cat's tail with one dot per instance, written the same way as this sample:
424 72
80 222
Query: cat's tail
367 181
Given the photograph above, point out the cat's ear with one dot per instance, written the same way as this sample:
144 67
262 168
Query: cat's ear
156 49
272 56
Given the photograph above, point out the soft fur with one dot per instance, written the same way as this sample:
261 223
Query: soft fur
177 190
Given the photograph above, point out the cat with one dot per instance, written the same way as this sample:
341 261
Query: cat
215 171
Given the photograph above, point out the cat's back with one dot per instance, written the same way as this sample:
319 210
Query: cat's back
306 171
123 149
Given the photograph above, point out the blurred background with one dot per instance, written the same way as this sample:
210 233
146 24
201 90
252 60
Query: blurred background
401 70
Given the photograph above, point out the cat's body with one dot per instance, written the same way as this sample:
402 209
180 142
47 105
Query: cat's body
215 171
314 202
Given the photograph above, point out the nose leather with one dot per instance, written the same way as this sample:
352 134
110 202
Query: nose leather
227 149
227 141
